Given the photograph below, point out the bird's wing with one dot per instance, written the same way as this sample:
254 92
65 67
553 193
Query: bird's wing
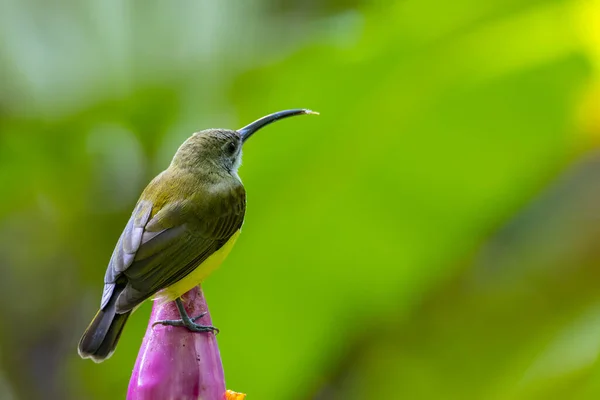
155 251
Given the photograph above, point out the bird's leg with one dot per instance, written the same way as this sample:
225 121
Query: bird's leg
186 320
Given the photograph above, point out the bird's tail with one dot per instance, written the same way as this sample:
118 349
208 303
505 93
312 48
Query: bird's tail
102 335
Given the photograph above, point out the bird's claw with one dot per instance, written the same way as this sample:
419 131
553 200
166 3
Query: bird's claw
189 324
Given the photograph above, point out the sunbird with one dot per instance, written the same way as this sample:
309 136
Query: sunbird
181 229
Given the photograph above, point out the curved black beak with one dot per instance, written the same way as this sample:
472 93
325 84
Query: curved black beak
248 130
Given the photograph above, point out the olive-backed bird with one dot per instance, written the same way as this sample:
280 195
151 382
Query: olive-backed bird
182 227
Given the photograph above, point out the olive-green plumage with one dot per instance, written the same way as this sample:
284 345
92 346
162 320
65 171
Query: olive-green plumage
185 215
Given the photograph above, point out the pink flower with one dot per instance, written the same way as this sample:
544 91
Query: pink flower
176 364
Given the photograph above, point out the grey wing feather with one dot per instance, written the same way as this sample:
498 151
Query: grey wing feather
126 248
166 262
155 242
151 254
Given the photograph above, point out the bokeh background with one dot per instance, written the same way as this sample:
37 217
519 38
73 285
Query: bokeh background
434 234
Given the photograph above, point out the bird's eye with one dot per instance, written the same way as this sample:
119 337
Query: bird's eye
231 148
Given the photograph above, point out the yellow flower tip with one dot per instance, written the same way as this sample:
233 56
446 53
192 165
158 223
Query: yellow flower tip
231 395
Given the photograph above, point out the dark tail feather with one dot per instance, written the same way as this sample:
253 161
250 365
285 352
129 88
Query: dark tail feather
102 335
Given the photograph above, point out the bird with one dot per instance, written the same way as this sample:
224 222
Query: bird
183 226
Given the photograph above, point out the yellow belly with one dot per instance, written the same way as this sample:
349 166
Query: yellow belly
199 274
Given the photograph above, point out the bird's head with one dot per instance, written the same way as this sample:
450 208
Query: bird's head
222 148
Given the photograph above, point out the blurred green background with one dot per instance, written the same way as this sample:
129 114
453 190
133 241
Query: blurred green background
434 234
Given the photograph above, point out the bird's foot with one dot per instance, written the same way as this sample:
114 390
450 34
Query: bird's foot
187 321
177 322
189 324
